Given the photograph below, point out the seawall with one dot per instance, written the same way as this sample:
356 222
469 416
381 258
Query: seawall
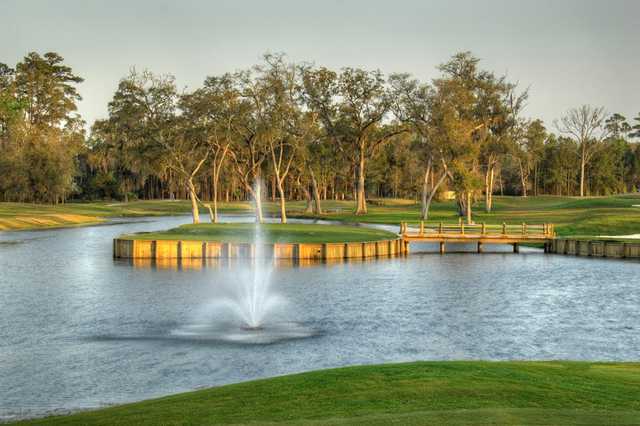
596 248
174 249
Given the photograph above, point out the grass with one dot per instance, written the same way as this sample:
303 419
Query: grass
447 393
591 216
289 233
16 216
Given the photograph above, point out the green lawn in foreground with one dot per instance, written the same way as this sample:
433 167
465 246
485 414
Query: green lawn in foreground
592 216
290 233
442 393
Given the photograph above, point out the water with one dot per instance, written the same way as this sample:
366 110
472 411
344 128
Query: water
80 330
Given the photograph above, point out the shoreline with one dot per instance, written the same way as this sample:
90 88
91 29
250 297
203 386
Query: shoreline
558 391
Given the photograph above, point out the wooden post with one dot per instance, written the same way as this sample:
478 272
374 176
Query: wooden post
462 228
441 247
440 228
483 228
422 228
516 248
480 248
504 228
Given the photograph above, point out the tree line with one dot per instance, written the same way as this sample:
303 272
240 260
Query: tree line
304 132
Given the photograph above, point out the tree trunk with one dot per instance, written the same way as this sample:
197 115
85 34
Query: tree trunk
425 192
462 204
317 208
488 189
214 200
361 202
582 170
523 180
469 219
434 190
194 201
283 207
273 187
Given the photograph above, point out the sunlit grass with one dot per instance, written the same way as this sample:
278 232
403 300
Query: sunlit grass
591 216
290 233
446 393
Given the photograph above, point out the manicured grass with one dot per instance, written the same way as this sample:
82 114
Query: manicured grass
29 216
592 216
269 233
572 216
443 393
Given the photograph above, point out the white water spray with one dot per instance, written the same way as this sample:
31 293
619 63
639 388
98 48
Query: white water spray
246 308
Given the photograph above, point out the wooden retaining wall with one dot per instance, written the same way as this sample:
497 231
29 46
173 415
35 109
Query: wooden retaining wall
596 248
172 249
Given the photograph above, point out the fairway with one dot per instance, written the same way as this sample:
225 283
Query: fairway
573 216
447 393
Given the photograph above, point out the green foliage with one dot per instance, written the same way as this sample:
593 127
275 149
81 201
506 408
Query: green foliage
40 135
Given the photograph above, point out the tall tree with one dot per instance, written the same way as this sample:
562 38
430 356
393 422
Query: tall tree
249 151
352 106
213 112
40 133
145 110
47 87
586 125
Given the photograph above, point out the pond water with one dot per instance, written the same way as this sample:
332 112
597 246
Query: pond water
79 329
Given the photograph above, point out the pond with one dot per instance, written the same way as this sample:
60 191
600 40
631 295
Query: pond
79 329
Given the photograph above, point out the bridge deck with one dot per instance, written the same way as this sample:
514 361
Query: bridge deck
478 234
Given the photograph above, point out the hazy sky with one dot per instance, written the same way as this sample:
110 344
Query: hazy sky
568 52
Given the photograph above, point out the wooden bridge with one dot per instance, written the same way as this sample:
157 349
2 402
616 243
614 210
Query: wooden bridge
479 234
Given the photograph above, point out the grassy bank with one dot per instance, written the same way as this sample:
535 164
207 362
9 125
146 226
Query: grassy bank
573 216
16 216
270 233
447 393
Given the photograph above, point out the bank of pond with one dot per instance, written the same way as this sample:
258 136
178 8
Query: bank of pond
446 393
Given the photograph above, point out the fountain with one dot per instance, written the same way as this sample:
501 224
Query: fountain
246 309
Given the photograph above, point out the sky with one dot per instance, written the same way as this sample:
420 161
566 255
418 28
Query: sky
567 52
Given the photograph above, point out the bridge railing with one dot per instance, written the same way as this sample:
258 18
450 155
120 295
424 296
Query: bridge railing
524 230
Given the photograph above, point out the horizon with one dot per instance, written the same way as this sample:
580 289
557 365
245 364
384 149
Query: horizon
582 58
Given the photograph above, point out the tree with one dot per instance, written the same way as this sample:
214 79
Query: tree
248 151
283 125
144 110
213 111
414 104
635 130
47 87
617 125
585 125
528 153
40 135
352 107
